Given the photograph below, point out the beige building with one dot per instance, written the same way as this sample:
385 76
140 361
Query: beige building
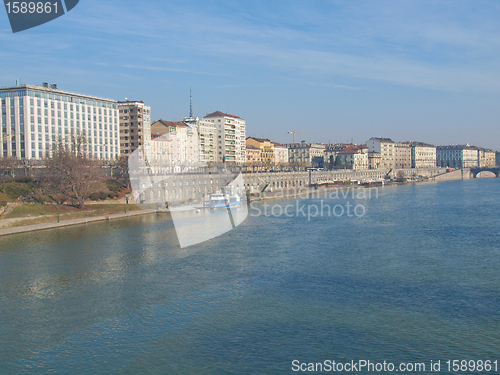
253 154
306 154
374 160
161 154
385 147
423 155
402 155
135 127
354 157
229 137
266 150
486 158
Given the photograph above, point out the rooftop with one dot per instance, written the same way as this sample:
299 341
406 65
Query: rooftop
260 139
220 114
176 124
53 89
276 144
381 139
418 144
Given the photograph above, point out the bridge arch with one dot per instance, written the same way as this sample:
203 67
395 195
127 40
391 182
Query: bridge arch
485 174
476 171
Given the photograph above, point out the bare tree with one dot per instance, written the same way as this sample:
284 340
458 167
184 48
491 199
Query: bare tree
71 173
7 167
120 171
401 177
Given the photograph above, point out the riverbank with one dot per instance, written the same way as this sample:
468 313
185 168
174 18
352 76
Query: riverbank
134 210
71 222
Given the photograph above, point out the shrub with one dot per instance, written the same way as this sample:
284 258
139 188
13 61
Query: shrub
103 195
3 203
113 185
16 191
94 196
24 180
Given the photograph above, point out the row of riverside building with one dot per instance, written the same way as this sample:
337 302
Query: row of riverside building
33 118
376 153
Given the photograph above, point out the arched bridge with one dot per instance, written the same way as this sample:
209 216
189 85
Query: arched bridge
475 171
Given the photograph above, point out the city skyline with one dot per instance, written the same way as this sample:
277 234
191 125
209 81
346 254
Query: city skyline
423 71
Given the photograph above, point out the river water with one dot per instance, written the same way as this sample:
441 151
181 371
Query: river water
411 276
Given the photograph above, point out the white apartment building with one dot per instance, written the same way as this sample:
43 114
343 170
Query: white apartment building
459 156
385 147
206 134
33 118
304 154
280 154
135 127
423 155
175 147
229 135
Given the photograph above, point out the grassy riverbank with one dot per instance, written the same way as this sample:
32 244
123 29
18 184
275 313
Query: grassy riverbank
29 214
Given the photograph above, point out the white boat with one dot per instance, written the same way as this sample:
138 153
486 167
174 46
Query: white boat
218 200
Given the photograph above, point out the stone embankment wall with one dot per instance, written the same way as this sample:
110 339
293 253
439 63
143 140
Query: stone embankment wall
459 174
302 179
182 188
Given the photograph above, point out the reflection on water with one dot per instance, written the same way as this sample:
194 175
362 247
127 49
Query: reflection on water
416 278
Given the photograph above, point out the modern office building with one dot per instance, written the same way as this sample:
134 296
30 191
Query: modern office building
135 127
35 117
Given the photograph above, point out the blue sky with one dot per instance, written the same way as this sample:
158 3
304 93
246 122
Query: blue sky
408 70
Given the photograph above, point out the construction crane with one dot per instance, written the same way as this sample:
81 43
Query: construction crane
294 132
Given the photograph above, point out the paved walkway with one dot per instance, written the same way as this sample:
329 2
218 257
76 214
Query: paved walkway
36 227
10 207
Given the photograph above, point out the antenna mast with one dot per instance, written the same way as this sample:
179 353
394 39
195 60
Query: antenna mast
191 104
